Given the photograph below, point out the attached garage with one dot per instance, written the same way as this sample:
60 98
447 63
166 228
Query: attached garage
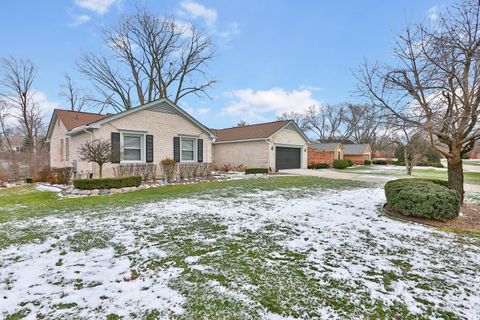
274 145
288 158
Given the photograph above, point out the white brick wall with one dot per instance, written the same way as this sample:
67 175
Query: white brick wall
253 154
163 127
258 154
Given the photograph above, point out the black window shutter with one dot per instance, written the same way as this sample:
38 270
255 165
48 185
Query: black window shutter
200 150
176 149
115 141
149 151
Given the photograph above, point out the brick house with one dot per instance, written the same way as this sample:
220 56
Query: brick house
358 153
145 134
325 153
274 145
160 129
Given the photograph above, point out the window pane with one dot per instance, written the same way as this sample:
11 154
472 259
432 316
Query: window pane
187 155
131 142
132 154
187 144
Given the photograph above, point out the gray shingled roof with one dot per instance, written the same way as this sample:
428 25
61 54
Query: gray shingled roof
324 146
355 148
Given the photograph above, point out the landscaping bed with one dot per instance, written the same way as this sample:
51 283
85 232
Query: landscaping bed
468 220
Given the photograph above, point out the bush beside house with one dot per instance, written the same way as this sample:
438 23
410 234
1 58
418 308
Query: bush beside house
320 165
341 164
107 183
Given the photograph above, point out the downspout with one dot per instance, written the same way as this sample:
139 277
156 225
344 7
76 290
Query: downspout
270 145
91 139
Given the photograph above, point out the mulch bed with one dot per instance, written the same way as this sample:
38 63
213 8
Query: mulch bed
468 220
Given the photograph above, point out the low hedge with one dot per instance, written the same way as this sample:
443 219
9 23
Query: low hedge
341 164
29 180
380 162
350 162
320 165
367 162
107 183
256 170
424 198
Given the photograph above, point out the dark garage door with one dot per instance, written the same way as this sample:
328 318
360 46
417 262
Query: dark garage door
287 158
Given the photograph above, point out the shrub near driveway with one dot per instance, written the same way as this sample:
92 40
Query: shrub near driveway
424 198
341 164
123 182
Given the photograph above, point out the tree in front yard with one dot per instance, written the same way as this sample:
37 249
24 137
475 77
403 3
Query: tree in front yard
412 148
434 84
98 151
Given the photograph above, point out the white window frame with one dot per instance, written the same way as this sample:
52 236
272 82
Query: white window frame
143 145
67 149
61 150
195 148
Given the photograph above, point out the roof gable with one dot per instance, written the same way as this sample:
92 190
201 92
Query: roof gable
161 105
73 119
249 132
357 149
318 146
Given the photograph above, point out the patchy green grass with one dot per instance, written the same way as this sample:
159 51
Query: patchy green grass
470 177
26 202
298 247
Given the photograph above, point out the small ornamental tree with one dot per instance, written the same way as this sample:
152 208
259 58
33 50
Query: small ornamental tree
98 151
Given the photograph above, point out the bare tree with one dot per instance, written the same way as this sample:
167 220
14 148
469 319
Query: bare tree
434 86
97 151
77 99
17 77
241 123
412 144
5 128
299 118
152 57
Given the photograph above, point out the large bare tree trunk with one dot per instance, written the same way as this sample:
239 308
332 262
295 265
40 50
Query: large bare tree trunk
455 174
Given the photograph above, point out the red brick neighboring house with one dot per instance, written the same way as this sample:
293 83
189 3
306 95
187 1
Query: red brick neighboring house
324 153
358 153
475 153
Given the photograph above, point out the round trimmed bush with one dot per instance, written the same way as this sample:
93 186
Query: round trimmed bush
340 164
380 162
367 162
350 162
424 198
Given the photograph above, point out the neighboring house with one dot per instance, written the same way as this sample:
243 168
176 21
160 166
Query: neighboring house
16 143
358 153
324 152
145 134
475 153
275 145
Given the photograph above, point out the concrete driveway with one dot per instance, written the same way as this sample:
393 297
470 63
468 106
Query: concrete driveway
332 174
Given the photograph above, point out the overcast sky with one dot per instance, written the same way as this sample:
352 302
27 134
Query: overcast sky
272 56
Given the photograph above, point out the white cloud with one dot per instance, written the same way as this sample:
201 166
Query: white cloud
433 13
79 19
97 6
196 10
263 104
40 99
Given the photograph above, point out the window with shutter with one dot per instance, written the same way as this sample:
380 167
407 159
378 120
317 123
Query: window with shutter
200 150
115 141
149 149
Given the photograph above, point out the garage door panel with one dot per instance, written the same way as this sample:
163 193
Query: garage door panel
287 158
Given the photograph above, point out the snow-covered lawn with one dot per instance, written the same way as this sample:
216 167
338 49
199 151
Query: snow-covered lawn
284 254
